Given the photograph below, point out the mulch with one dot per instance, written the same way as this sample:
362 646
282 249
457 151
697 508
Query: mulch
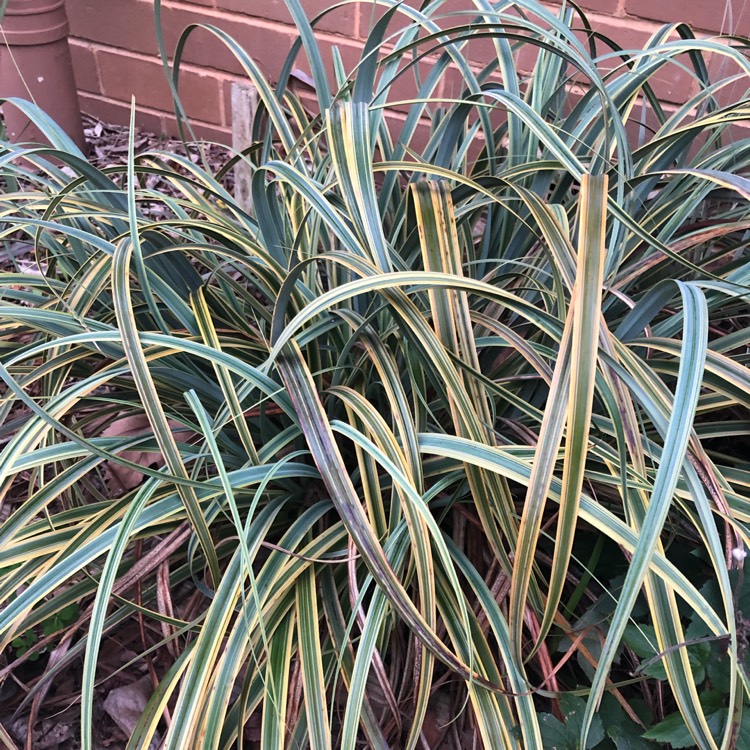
108 146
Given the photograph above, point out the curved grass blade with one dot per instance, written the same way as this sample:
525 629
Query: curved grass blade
311 658
274 730
695 337
586 305
328 459
143 380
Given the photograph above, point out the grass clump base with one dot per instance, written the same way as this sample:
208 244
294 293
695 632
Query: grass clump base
440 444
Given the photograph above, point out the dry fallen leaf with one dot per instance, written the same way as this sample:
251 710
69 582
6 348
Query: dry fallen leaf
122 478
126 704
49 735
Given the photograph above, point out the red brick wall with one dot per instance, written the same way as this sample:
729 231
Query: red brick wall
115 50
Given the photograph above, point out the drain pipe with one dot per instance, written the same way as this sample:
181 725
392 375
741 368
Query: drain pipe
35 64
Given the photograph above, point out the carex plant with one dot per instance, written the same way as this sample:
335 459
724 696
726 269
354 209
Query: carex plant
436 430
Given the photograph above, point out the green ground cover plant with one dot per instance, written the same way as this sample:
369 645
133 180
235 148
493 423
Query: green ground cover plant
440 444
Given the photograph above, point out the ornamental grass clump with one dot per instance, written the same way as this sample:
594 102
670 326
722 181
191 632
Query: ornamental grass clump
440 444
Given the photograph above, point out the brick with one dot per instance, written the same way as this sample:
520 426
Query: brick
310 102
128 23
153 122
450 14
406 85
350 53
130 26
671 83
727 16
342 20
268 46
479 49
722 68
643 123
453 13
118 113
123 75
454 83
202 131
610 7
418 141
304 92
265 30
737 133
497 111
371 13
85 68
